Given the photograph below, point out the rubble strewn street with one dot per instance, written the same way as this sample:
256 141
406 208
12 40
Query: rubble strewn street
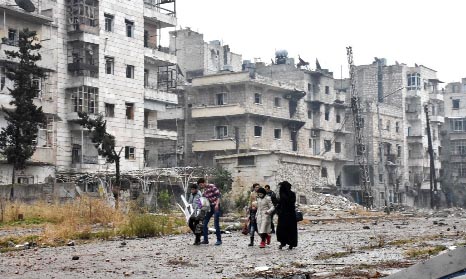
370 245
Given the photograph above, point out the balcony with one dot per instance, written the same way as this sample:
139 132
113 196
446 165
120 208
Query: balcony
437 118
44 155
415 138
151 131
154 94
436 95
214 145
413 93
47 62
78 81
418 162
217 111
156 11
47 104
157 55
171 113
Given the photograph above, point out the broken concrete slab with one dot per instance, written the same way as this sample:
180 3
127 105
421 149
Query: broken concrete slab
436 267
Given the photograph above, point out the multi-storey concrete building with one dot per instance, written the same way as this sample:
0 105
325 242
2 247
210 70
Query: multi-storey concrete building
198 58
105 57
453 175
403 174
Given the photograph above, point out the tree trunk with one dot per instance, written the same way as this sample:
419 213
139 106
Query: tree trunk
116 187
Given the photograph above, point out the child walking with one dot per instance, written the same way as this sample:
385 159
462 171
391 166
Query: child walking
252 228
263 216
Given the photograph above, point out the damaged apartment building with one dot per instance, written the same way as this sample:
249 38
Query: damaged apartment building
102 57
396 133
453 156
267 124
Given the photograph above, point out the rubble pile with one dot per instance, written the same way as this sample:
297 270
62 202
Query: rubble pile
318 201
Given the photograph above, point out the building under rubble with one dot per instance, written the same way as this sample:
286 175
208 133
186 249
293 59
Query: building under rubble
101 56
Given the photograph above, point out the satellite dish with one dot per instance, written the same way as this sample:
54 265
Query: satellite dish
26 5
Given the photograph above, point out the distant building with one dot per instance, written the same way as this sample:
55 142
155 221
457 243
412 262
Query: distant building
453 175
403 92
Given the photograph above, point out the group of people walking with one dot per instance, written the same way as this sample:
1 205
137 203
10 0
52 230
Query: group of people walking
263 205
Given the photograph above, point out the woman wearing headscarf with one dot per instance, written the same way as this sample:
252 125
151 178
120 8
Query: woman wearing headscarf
263 216
287 229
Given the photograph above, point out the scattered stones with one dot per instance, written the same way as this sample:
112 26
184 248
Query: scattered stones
71 243
366 227
75 258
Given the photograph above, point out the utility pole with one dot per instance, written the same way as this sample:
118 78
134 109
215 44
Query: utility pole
433 178
379 125
361 152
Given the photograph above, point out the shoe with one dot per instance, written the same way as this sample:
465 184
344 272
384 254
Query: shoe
262 245
219 242
205 242
197 243
281 246
290 247
252 242
268 239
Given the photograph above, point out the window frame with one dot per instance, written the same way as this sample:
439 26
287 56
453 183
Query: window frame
130 153
279 135
109 110
129 111
130 71
109 20
218 134
258 130
258 96
109 61
129 32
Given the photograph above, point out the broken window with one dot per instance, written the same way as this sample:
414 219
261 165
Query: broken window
327 90
130 153
302 199
323 172
109 65
257 131
361 148
129 28
277 102
12 37
327 112
398 150
310 143
338 118
397 127
309 114
129 71
146 78
220 99
246 161
109 110
337 147
85 99
327 145
108 22
388 125
456 103
76 154
309 87
257 98
146 38
277 133
129 111
26 180
36 85
221 132
83 15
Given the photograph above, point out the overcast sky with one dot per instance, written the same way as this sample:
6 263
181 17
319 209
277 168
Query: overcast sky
408 31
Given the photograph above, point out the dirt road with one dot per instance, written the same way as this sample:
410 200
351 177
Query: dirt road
329 249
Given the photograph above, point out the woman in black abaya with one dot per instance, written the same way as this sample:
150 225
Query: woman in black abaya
287 229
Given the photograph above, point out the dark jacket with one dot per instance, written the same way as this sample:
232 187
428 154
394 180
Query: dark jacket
287 228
